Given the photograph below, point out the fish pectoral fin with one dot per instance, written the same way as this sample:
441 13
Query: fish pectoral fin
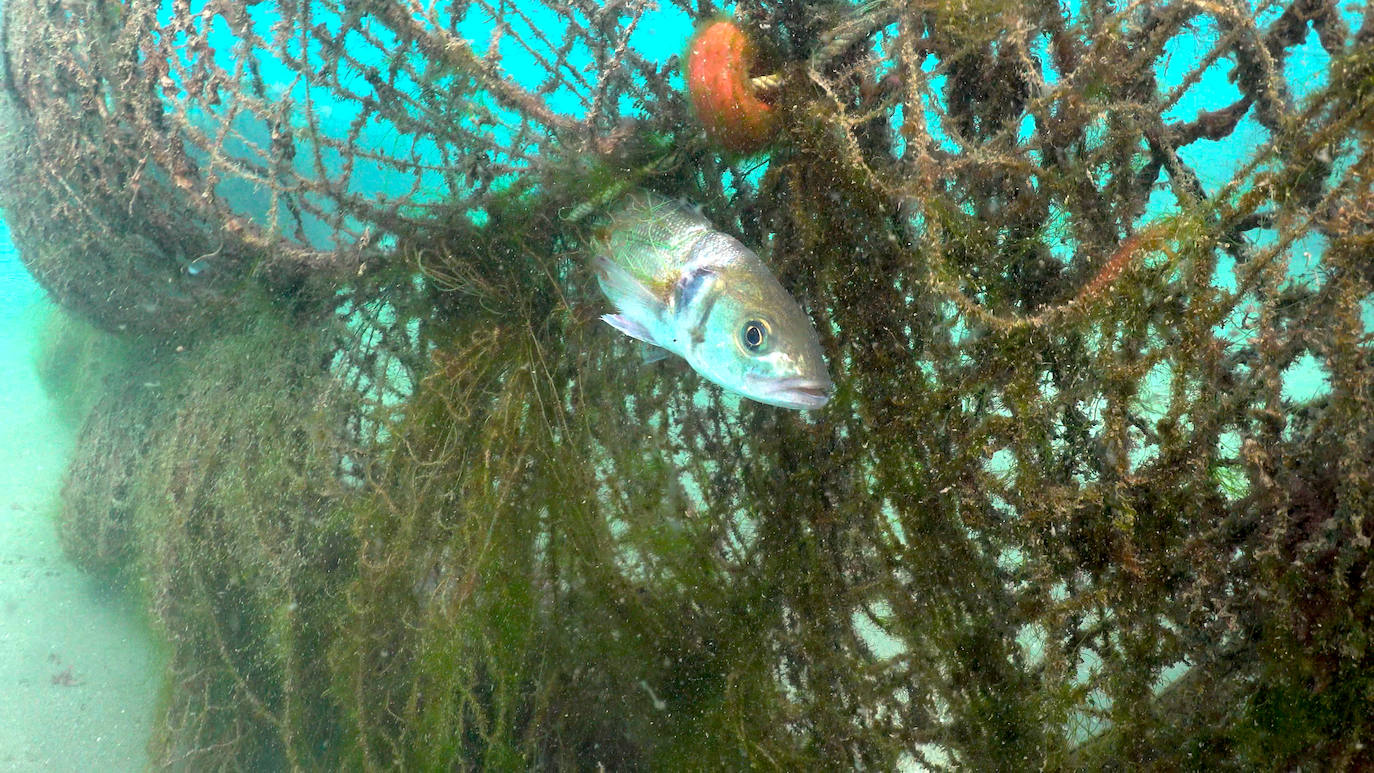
629 327
629 295
652 354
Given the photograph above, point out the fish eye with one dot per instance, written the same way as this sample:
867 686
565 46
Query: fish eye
754 335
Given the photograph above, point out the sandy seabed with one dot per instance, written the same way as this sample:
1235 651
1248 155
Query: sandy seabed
79 668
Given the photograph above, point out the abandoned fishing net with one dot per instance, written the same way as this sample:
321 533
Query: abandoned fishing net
1093 281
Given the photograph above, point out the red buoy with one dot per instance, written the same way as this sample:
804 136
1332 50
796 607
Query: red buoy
719 61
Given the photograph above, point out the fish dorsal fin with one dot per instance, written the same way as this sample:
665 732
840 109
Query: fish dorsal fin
692 211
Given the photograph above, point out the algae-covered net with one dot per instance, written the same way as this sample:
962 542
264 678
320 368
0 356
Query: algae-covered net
1094 281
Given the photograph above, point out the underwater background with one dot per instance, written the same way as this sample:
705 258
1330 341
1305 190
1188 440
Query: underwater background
354 476
79 668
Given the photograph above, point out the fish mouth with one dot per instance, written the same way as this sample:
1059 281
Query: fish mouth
800 392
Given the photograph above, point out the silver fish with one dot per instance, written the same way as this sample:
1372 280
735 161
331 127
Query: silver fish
679 284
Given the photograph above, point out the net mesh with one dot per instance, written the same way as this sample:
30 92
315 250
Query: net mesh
1094 284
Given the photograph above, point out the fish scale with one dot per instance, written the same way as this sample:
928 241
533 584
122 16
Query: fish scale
648 232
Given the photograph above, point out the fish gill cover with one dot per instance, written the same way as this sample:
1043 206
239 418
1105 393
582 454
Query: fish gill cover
1094 283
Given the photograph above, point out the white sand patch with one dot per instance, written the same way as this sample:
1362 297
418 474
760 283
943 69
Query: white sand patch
79 670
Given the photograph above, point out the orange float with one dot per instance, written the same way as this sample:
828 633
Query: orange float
719 82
